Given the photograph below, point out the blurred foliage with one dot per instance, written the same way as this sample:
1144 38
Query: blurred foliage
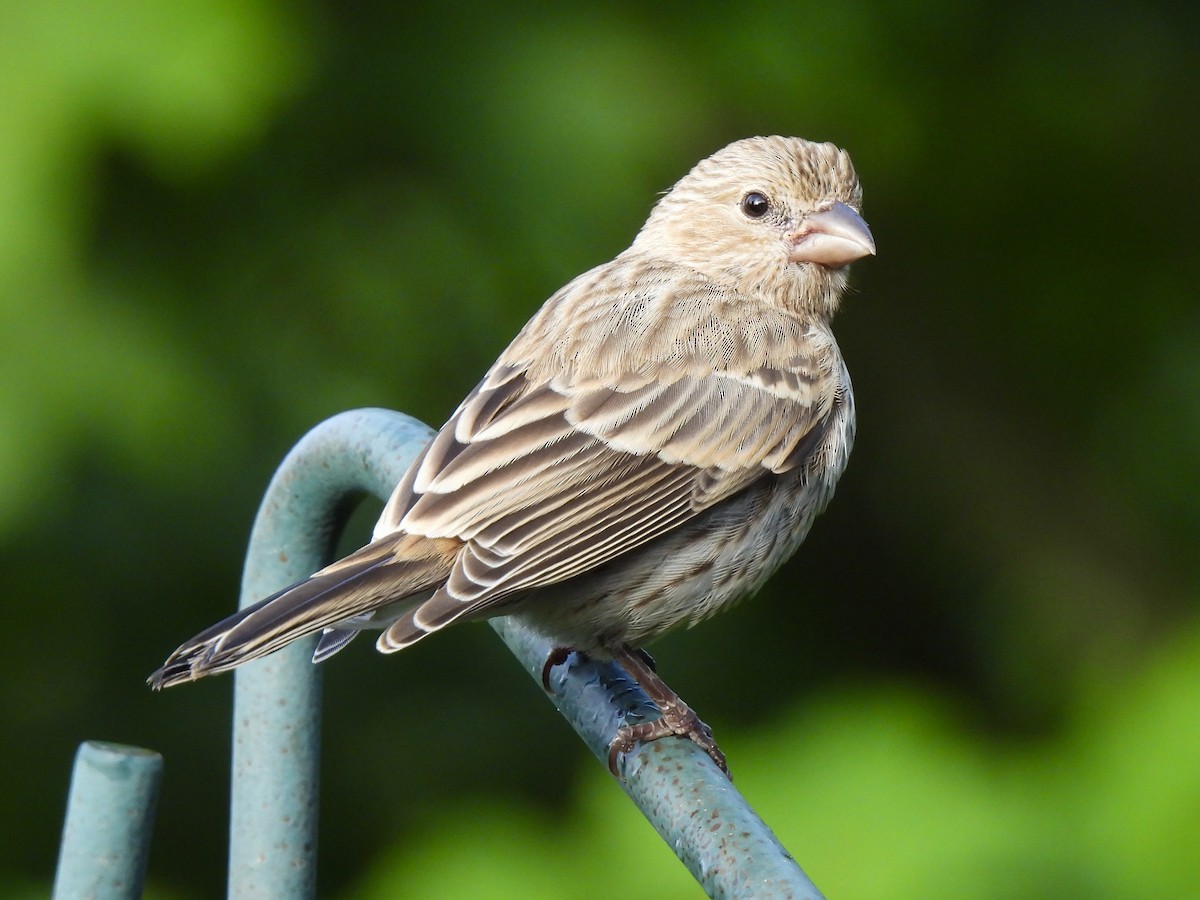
223 220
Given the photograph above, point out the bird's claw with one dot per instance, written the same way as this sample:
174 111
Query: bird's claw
677 720
556 657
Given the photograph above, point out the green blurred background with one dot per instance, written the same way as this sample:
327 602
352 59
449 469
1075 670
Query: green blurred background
223 220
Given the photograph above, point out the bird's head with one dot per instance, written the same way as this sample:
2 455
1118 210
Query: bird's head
777 216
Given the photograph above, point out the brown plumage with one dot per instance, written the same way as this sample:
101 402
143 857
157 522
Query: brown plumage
654 443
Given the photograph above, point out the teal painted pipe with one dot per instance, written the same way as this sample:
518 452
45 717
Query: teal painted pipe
110 816
695 808
691 803
277 714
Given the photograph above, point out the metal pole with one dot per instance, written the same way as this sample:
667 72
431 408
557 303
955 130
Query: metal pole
276 718
695 808
110 815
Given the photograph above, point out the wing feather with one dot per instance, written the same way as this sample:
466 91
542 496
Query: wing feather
554 480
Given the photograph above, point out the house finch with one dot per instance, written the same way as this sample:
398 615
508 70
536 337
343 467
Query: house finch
654 443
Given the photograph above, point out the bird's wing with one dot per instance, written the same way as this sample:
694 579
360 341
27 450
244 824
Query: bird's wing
543 481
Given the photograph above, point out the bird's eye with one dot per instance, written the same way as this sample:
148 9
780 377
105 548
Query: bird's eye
755 205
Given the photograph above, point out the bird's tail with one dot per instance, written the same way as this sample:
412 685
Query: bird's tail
379 575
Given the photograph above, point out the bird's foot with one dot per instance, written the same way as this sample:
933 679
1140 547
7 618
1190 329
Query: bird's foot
676 720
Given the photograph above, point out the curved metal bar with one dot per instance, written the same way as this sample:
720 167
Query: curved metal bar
695 808
110 815
277 714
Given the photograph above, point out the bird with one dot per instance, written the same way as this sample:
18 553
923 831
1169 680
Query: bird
654 443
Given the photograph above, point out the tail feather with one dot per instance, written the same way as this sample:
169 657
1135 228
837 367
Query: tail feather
382 574
333 640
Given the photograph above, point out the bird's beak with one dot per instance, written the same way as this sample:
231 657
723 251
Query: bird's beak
835 236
